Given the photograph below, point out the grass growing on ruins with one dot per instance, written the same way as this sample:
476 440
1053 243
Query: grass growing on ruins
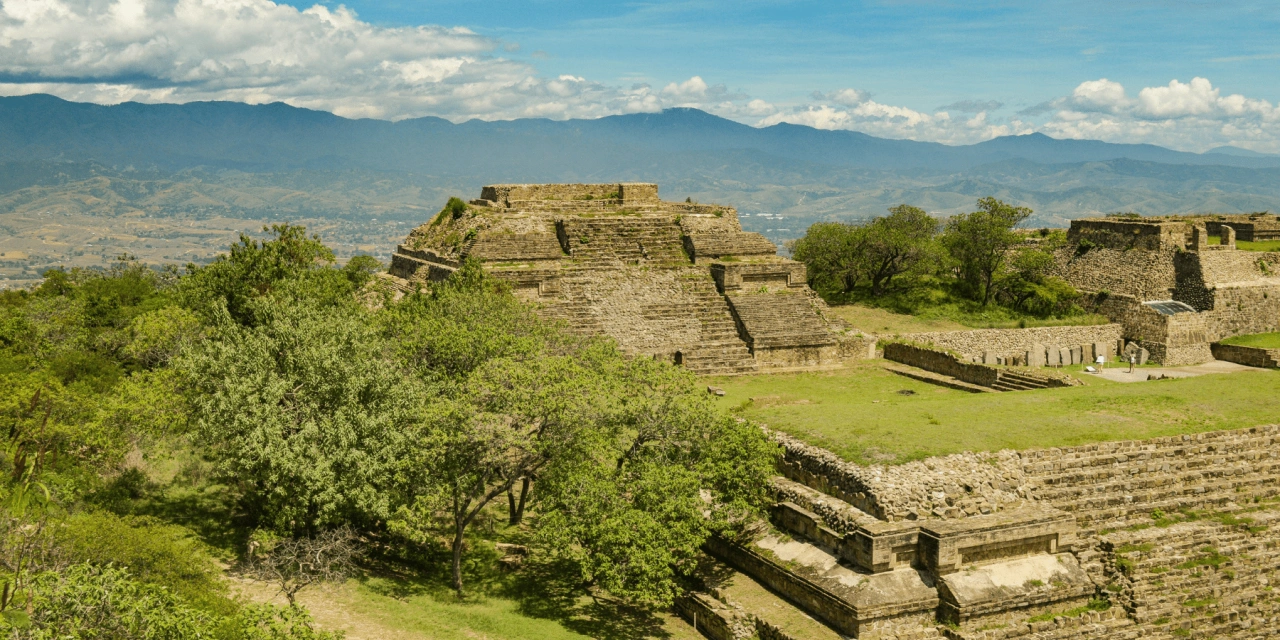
1245 245
933 306
1260 340
869 415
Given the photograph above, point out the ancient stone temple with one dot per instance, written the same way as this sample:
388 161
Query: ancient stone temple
675 280
1178 284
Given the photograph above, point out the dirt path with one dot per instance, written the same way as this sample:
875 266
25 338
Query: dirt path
330 606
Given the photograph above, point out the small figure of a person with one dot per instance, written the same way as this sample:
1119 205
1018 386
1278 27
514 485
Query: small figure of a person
1133 359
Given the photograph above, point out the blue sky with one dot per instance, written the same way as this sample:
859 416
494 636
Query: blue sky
922 54
1184 74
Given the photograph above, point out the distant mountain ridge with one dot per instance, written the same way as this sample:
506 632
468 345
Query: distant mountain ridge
278 137
274 161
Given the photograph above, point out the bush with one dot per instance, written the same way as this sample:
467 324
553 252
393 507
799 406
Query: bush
154 553
91 601
455 208
88 601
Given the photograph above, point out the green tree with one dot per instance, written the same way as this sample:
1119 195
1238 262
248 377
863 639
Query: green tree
306 413
896 244
980 242
832 252
506 422
253 269
635 494
1026 283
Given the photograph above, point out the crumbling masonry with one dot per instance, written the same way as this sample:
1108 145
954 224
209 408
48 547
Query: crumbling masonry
1175 293
678 281
1163 538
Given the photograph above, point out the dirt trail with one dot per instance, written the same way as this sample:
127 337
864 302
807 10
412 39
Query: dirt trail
330 606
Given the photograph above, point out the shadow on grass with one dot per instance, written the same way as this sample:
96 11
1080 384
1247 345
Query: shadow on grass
545 590
207 510
554 590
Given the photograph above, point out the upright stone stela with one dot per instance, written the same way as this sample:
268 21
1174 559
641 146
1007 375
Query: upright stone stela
676 280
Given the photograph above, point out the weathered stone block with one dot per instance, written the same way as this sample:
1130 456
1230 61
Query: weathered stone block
1035 357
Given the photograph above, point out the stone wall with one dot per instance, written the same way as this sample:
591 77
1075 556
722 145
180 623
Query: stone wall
1010 342
1249 356
1125 234
714 619
941 362
1147 275
517 192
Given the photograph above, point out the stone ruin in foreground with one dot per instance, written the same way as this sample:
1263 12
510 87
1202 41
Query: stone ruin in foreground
678 281
1180 536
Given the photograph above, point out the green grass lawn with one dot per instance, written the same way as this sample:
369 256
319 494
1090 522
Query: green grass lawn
401 608
933 305
1260 340
1244 245
858 413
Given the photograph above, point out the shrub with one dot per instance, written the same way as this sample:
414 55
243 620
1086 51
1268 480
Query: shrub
154 553
88 601
455 207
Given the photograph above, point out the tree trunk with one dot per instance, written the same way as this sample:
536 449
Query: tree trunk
459 527
526 485
512 518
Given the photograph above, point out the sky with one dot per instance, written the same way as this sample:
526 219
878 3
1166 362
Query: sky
1185 74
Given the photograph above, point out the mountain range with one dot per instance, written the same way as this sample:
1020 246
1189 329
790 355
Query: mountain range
267 162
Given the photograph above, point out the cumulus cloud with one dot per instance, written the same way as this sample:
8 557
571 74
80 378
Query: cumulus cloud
259 51
1192 115
842 97
868 116
256 51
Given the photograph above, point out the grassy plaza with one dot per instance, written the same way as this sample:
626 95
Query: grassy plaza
867 414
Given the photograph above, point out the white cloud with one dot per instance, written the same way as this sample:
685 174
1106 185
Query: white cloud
1100 94
1192 116
258 51
843 97
869 116
110 51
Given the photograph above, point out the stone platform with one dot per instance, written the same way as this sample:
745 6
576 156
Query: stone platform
1163 538
674 280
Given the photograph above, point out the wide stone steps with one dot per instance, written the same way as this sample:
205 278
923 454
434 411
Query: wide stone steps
1008 380
774 616
629 239
780 319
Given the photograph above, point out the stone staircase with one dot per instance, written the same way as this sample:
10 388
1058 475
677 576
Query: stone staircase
867 578
1009 380
1201 579
1116 484
629 239
721 351
585 297
779 320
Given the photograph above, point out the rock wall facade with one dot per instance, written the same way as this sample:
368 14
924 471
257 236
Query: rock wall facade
1249 356
1010 342
1125 262
1165 537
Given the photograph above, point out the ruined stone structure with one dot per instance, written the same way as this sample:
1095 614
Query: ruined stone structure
1135 267
1162 538
679 281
